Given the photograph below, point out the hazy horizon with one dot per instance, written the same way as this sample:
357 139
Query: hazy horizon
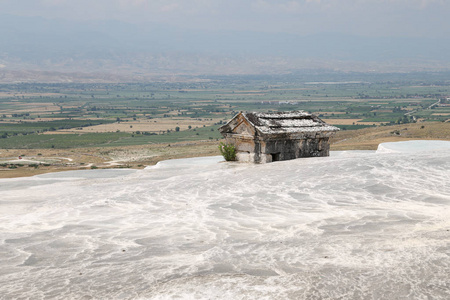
386 18
218 37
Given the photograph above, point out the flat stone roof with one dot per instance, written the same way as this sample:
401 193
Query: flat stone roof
288 122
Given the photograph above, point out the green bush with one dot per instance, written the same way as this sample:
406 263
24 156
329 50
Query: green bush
228 151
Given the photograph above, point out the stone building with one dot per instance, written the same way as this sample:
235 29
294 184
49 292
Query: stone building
267 137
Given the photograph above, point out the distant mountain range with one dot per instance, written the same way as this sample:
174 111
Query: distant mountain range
38 44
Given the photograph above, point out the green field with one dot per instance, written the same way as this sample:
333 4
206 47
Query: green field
64 141
25 128
61 141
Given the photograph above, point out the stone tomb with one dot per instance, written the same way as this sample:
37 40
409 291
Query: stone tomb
267 137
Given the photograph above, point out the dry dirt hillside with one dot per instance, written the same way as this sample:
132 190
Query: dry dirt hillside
370 138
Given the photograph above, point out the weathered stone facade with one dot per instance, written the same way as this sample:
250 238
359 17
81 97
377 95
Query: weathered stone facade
267 137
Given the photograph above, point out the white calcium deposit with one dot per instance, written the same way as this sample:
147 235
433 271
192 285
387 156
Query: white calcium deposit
355 225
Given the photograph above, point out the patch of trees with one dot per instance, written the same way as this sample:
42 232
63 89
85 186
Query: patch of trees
20 115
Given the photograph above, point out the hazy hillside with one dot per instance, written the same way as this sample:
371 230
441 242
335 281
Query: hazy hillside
34 43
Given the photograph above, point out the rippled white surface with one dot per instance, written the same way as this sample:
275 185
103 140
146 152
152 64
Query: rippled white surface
356 225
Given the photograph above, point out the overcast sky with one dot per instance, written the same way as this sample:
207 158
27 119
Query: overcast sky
402 18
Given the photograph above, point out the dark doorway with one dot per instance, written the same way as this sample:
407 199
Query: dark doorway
275 156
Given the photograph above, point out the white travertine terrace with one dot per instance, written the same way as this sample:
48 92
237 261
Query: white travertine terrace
354 225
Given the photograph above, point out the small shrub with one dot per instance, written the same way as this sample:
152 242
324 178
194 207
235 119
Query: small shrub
94 167
228 151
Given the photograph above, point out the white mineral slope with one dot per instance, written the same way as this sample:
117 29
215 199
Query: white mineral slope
413 146
358 225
